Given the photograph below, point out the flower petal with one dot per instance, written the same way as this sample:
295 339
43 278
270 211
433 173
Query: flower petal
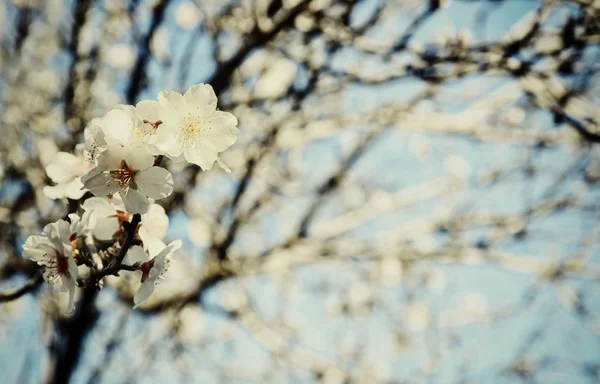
143 293
119 124
169 140
200 99
74 189
154 223
106 228
171 101
135 201
137 158
148 110
201 153
100 184
155 182
69 284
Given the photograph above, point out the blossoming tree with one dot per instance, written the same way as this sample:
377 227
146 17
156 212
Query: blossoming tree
121 167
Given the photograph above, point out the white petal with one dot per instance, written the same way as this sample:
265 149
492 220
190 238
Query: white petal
38 249
222 131
171 101
153 245
55 192
200 99
178 159
200 154
138 158
117 203
155 182
74 189
70 287
106 228
82 225
101 206
135 201
169 139
154 223
100 184
143 293
165 253
148 110
72 267
63 166
118 124
58 232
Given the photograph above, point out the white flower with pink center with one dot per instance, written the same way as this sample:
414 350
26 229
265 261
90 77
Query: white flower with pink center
129 171
53 250
151 269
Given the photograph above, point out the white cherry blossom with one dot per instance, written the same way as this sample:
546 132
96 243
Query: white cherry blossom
151 269
134 126
66 170
193 127
129 171
54 251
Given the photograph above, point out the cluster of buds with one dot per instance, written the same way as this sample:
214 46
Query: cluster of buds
120 164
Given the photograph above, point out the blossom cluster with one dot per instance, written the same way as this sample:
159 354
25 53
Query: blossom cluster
120 164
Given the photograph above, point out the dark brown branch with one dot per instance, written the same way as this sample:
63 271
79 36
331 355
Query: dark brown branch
31 285
581 129
138 75
79 16
116 264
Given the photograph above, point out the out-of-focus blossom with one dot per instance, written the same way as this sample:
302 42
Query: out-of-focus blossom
153 228
66 170
277 79
121 56
192 126
187 15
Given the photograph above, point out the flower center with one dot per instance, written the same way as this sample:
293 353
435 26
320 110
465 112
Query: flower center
145 269
124 175
193 125
62 264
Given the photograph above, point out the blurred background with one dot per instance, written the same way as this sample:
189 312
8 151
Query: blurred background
413 196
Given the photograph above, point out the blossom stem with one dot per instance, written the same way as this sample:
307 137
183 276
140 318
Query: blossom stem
116 264
158 159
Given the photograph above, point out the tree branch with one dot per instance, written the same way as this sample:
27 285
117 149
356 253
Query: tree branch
31 285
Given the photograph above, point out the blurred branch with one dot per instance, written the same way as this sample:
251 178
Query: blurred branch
31 285
137 81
